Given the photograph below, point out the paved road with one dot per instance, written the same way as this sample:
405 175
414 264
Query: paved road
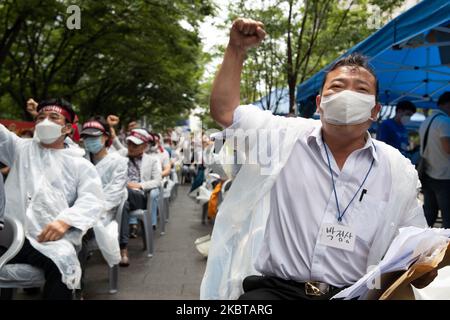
174 272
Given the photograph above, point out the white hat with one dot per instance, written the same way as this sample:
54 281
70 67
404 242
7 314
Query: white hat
139 136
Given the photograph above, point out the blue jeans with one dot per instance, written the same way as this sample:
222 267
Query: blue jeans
436 197
154 194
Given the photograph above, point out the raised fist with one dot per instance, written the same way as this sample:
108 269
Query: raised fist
246 33
32 107
112 120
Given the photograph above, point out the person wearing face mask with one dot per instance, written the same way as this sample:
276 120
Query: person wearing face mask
305 182
143 174
54 192
72 137
112 169
162 154
393 131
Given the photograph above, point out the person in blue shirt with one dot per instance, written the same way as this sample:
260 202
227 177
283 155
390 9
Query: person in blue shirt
393 131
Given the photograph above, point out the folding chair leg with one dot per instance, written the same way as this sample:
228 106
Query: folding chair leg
148 233
113 279
163 217
204 213
166 207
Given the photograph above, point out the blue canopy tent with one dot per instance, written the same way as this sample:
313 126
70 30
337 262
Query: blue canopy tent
410 55
277 102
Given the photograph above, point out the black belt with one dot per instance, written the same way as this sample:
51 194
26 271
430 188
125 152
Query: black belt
316 288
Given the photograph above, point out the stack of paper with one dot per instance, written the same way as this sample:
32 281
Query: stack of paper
411 245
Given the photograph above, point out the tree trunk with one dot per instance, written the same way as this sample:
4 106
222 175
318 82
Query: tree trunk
8 39
292 82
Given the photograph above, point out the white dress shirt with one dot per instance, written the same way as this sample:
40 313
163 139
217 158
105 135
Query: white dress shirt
302 201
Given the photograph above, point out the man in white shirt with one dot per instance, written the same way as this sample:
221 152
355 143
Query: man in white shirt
314 224
436 184
144 176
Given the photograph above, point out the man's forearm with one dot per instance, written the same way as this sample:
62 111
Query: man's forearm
225 95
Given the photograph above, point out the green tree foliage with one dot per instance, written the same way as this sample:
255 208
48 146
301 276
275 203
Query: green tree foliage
132 58
303 37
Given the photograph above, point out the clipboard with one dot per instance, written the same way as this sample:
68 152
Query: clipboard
397 285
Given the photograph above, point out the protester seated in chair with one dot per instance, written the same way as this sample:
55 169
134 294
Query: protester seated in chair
112 169
144 173
54 192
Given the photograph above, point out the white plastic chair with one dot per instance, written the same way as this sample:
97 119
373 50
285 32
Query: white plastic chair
145 217
14 276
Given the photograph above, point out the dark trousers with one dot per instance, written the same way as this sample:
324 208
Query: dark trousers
136 200
273 288
83 255
436 195
54 288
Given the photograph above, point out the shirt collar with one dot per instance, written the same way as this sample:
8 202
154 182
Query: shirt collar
316 137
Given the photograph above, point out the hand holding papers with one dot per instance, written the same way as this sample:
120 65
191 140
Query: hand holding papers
416 250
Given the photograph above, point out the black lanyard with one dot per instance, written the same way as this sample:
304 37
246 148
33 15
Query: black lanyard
340 216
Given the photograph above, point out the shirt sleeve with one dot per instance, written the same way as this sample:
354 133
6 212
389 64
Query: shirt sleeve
8 146
165 159
118 145
88 206
250 117
443 127
414 214
155 181
114 189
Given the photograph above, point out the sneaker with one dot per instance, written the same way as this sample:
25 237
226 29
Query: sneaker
124 261
133 231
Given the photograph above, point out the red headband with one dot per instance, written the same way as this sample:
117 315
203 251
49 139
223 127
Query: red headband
141 136
95 125
59 110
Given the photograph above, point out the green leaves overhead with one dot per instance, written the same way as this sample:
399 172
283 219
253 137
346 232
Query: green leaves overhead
133 58
303 37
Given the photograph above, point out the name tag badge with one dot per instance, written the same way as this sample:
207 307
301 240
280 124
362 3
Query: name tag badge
337 236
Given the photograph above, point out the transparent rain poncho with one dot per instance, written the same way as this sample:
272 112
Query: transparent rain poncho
113 174
241 220
45 185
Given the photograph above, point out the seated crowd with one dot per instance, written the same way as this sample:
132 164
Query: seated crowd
84 178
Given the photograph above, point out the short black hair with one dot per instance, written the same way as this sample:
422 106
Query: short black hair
406 105
444 98
66 105
353 60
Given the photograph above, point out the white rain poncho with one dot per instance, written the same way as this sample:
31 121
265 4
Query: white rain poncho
240 223
45 185
2 202
113 174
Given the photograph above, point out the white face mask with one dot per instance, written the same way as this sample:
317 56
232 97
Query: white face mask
347 107
405 119
48 132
